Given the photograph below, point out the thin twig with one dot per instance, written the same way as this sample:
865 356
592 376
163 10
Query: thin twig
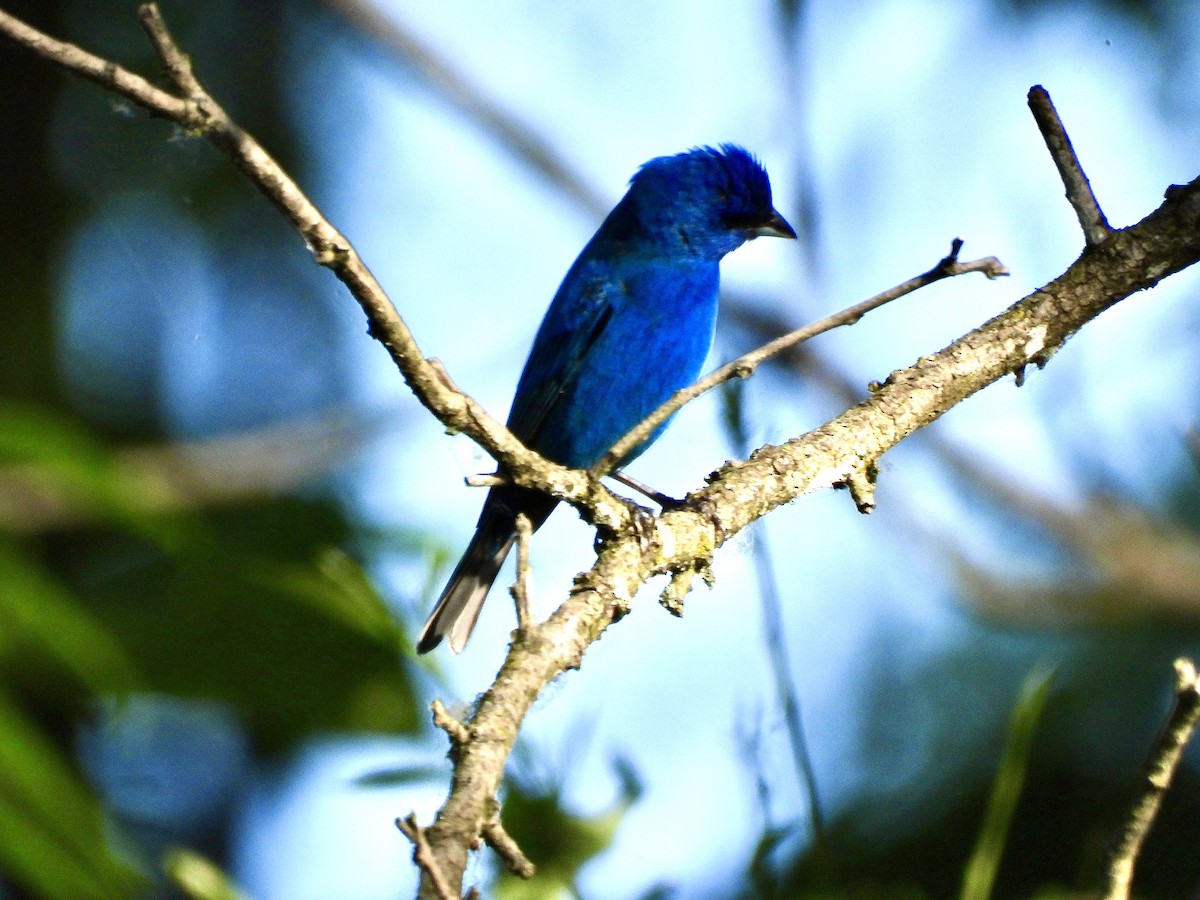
458 733
506 848
785 686
520 587
424 858
1079 191
175 61
487 480
1164 760
663 500
87 65
744 365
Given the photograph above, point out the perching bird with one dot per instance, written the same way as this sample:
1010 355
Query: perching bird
631 324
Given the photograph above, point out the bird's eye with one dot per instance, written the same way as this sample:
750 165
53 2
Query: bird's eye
741 221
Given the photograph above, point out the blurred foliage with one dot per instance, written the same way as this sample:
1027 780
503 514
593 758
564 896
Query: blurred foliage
199 878
252 606
980 876
1037 817
557 841
52 833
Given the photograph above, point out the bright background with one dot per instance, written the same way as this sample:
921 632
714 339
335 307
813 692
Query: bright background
156 298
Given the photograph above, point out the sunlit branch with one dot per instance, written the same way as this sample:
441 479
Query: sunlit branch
520 587
1164 760
1079 190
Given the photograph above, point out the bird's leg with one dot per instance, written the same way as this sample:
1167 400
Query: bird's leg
641 520
644 489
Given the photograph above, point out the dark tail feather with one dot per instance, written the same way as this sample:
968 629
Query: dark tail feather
458 608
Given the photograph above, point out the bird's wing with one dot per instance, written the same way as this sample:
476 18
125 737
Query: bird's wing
578 316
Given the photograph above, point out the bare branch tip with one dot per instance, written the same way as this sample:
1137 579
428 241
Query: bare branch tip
454 728
408 826
1186 678
487 480
423 856
861 484
1079 192
507 849
154 25
992 268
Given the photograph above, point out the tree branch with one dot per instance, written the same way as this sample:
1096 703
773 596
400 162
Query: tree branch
1079 190
1164 760
844 451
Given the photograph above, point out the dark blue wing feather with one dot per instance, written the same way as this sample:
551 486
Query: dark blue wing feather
581 310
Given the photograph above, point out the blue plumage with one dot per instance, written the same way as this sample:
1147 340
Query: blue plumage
631 324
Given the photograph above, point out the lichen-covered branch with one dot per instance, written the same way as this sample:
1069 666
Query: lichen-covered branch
845 448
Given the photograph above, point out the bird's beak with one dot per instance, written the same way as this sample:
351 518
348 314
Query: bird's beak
776 226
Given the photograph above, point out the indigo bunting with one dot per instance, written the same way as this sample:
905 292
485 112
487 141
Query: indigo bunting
631 324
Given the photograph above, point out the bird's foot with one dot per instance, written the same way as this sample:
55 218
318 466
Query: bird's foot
665 501
641 523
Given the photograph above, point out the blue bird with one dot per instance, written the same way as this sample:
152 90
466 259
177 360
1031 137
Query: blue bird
631 324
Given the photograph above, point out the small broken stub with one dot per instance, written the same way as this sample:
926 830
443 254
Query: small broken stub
677 588
861 484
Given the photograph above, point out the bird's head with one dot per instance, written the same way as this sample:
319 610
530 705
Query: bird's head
706 202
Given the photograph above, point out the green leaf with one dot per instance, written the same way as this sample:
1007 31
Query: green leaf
40 621
56 471
980 874
334 585
558 842
52 834
254 608
199 877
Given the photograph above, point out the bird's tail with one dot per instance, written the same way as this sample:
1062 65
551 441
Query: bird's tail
458 608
